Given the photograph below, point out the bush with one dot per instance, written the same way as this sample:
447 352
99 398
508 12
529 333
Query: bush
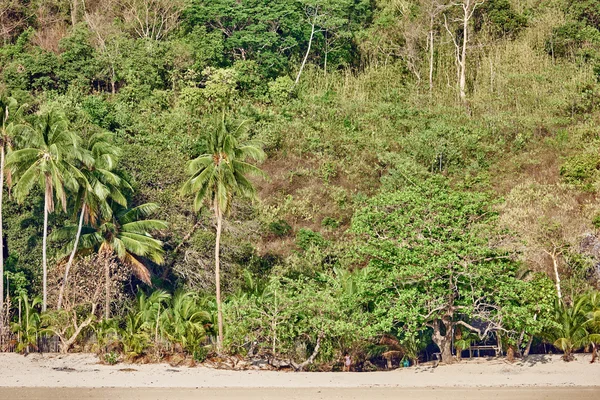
581 169
574 39
281 89
280 228
306 238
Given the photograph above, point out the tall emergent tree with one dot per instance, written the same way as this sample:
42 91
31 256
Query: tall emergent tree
100 185
217 176
47 160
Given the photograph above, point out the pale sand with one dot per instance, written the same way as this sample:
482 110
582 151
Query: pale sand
301 394
83 371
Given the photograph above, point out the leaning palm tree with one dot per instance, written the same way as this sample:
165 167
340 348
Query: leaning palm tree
216 177
127 235
99 185
47 160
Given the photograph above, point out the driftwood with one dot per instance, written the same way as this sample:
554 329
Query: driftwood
278 363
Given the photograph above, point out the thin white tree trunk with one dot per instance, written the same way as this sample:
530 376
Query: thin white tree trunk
557 276
44 255
218 278
1 231
431 54
71 258
463 58
312 35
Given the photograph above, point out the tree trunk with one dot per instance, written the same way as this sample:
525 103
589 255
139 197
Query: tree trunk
556 275
219 216
44 243
528 347
74 6
71 258
1 233
431 54
443 341
463 58
107 287
312 35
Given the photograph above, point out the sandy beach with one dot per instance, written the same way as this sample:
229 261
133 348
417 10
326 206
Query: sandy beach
80 376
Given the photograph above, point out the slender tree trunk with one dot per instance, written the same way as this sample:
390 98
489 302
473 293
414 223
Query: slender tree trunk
556 274
74 6
431 54
1 232
71 258
112 79
107 287
219 216
463 58
44 249
312 35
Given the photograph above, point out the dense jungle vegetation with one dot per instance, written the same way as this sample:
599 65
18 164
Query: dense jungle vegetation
384 178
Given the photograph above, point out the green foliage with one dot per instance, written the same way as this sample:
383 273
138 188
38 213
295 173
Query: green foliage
574 39
29 325
407 287
306 238
281 89
280 228
500 18
111 358
587 11
581 169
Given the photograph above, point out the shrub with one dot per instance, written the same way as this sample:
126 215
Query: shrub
581 169
306 238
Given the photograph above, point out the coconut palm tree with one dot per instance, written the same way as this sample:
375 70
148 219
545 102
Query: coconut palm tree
126 235
7 106
47 160
217 176
99 185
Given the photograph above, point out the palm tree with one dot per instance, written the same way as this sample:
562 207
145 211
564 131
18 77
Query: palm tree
569 332
126 235
47 160
185 322
99 184
216 177
7 105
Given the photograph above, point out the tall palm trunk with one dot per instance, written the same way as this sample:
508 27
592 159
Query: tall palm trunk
1 233
71 258
47 205
219 216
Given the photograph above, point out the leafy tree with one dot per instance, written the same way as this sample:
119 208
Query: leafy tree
217 176
587 11
262 30
47 160
430 263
